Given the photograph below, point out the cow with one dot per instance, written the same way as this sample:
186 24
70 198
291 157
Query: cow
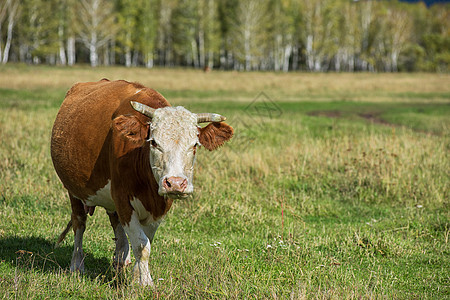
122 146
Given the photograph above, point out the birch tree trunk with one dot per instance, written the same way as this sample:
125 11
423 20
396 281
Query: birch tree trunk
71 51
96 26
195 53
309 53
149 62
247 54
62 51
287 56
12 9
93 56
3 9
201 47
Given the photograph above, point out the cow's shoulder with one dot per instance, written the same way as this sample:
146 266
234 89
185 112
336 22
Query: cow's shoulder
85 88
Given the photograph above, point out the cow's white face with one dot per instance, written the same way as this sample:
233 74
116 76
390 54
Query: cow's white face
173 142
173 136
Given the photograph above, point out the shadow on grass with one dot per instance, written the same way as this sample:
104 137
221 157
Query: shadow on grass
39 254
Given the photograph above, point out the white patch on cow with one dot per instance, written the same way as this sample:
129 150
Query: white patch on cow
144 216
148 222
140 244
102 198
138 91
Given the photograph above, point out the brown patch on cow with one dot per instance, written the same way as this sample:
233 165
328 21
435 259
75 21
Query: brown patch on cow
129 133
215 135
132 177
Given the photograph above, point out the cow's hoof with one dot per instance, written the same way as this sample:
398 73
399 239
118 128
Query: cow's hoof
141 275
121 265
77 268
77 262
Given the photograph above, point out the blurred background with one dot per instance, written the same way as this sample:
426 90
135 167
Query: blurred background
279 35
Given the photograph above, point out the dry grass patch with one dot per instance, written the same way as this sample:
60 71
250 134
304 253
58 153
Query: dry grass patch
242 86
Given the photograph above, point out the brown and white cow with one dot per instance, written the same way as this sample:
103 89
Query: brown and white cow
121 146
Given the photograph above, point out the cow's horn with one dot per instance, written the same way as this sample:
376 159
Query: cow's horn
142 108
209 117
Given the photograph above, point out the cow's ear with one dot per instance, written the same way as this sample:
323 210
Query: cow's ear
215 135
132 129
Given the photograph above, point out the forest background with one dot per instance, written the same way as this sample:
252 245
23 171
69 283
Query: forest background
280 35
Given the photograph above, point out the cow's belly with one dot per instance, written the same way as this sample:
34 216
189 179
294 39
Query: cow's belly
102 198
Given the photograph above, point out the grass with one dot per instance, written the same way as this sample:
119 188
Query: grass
341 192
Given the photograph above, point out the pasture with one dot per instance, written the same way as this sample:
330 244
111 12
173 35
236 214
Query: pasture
335 186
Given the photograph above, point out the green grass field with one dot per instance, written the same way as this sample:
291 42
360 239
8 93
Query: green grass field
335 186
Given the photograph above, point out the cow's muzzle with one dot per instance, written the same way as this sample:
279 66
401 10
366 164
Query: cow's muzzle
176 187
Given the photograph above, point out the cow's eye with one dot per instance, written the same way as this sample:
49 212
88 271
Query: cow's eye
153 143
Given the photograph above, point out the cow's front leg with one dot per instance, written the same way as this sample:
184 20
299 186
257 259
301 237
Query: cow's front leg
140 244
122 252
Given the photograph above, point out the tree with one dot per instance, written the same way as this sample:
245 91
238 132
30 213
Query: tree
96 25
37 34
8 8
226 18
127 17
281 34
164 35
347 37
65 13
398 34
147 30
248 33
319 26
208 32
436 41
184 23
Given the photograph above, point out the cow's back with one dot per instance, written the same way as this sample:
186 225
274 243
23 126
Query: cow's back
81 133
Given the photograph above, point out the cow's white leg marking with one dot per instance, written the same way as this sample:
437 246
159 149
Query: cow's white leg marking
151 228
141 249
77 263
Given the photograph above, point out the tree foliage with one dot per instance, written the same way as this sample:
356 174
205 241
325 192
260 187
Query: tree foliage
280 35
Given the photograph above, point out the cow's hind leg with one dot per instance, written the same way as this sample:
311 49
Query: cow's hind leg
122 252
79 225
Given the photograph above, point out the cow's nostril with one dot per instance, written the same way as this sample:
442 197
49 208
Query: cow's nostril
167 183
175 184
184 184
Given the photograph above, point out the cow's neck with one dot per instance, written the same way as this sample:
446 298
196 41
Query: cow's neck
133 179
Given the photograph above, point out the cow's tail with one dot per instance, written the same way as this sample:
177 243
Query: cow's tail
64 233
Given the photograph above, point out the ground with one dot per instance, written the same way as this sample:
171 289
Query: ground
334 186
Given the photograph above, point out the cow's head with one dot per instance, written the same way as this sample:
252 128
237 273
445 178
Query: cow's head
174 136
